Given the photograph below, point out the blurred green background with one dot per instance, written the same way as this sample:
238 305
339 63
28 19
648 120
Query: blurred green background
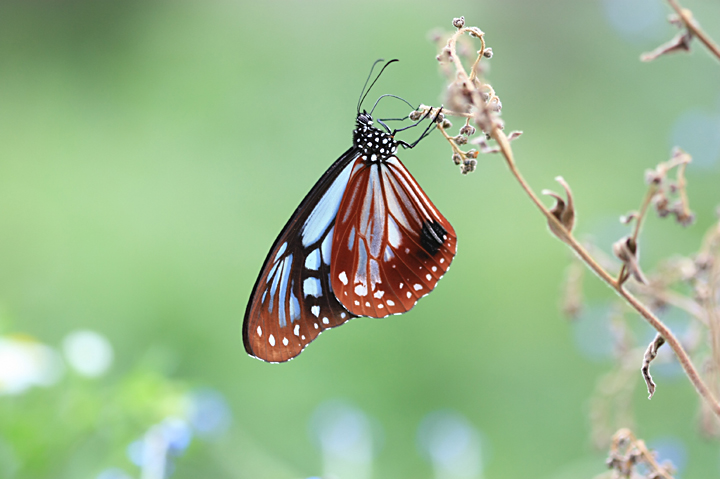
150 152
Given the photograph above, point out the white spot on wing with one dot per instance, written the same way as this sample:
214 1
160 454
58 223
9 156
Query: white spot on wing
259 330
390 302
315 310
428 276
409 294
417 287
393 233
294 307
313 260
379 294
361 290
271 274
378 216
351 239
312 287
361 268
280 251
365 211
296 331
285 342
327 246
434 268
343 278
374 273
271 340
282 293
326 321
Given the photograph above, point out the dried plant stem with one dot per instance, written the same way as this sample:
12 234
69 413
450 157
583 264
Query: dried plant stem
568 238
652 190
448 138
712 311
677 300
682 185
693 26
490 125
626 451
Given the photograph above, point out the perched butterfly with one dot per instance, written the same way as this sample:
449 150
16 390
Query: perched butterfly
365 241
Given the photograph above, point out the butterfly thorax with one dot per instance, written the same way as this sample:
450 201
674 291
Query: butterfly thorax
374 144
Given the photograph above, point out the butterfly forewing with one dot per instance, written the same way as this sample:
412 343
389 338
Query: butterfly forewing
292 301
391 245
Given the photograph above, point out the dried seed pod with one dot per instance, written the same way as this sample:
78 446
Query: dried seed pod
628 218
467 130
626 250
514 135
475 32
564 212
415 115
653 177
468 166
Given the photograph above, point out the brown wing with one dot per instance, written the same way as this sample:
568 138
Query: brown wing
391 245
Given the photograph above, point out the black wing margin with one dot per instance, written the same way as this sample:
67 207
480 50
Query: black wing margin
292 301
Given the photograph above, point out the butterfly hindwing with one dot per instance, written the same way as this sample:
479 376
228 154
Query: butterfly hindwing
292 301
391 245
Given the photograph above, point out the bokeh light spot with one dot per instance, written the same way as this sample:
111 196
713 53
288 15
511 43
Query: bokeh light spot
88 353
698 133
635 20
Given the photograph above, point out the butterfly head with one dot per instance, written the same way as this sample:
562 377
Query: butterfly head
374 144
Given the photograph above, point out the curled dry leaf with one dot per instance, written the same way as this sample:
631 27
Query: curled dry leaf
514 134
562 210
681 42
650 354
628 218
481 142
627 251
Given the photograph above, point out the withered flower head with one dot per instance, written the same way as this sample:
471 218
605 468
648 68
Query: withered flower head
562 210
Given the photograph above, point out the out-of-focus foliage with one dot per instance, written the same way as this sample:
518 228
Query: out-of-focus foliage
150 152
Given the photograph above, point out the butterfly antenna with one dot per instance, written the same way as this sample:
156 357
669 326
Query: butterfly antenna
366 82
362 96
393 96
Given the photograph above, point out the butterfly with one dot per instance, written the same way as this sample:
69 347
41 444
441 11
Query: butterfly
365 241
